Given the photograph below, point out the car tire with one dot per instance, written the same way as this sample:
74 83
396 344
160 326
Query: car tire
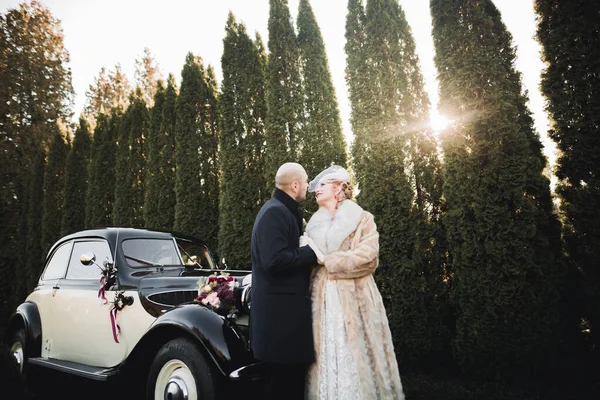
179 366
17 349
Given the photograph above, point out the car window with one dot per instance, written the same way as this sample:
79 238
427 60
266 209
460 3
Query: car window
193 253
147 252
55 269
77 270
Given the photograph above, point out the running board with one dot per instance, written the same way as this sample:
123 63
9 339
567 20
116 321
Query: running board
95 373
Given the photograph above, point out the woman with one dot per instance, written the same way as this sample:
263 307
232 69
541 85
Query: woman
353 343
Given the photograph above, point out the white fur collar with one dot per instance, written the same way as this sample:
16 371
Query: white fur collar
329 233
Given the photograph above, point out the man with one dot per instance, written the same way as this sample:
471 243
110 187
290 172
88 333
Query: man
281 318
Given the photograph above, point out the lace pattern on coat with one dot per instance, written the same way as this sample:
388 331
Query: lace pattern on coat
338 378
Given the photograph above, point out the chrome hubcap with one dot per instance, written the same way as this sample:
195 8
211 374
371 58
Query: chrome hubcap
17 351
176 389
175 381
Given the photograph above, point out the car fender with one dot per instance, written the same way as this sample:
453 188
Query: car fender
27 316
218 337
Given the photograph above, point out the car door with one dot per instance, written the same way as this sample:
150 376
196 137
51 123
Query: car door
44 296
85 334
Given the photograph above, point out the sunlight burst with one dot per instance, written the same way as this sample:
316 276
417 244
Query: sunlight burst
439 122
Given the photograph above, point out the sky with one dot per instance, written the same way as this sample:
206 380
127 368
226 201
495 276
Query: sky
102 33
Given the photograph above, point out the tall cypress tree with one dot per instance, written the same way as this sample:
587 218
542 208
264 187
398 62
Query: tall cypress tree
284 99
209 163
100 193
196 178
130 163
243 109
153 171
35 251
166 185
35 95
54 189
568 33
395 164
123 186
76 180
501 232
322 142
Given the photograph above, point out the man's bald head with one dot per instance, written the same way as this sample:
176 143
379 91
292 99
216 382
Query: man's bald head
292 179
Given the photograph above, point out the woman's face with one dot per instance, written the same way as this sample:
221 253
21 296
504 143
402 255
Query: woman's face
326 191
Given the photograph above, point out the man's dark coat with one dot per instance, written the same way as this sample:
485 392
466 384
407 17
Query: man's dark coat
281 317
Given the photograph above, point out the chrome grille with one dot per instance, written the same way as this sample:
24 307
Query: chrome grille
173 298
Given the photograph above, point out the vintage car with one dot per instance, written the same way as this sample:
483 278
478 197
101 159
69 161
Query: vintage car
120 303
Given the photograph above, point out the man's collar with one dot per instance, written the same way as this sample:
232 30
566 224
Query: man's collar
286 199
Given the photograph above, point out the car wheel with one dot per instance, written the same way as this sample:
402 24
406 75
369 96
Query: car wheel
180 371
17 349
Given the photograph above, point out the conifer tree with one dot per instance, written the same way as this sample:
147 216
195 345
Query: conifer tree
166 186
395 162
243 109
568 33
209 163
284 99
154 169
107 93
35 251
130 164
322 142
76 180
35 95
123 190
147 76
54 187
196 178
502 236
100 193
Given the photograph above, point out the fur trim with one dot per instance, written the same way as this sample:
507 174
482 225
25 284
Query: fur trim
329 233
365 317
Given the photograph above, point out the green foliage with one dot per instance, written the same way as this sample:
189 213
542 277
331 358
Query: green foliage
568 33
243 109
130 163
154 169
501 233
34 249
166 187
54 188
159 208
196 138
322 142
36 81
397 169
76 180
284 97
100 193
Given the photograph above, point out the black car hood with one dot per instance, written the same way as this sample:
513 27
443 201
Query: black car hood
168 287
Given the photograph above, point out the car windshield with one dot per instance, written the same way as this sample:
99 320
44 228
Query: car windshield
150 252
195 254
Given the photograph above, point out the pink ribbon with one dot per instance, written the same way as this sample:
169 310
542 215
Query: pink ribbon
102 292
116 329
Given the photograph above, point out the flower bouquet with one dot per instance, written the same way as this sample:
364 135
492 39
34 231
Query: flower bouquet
217 292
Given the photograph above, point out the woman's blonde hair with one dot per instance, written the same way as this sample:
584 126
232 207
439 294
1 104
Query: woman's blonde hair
347 189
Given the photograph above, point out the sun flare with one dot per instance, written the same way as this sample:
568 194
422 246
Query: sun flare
438 122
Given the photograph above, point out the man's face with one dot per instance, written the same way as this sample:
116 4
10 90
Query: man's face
303 188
